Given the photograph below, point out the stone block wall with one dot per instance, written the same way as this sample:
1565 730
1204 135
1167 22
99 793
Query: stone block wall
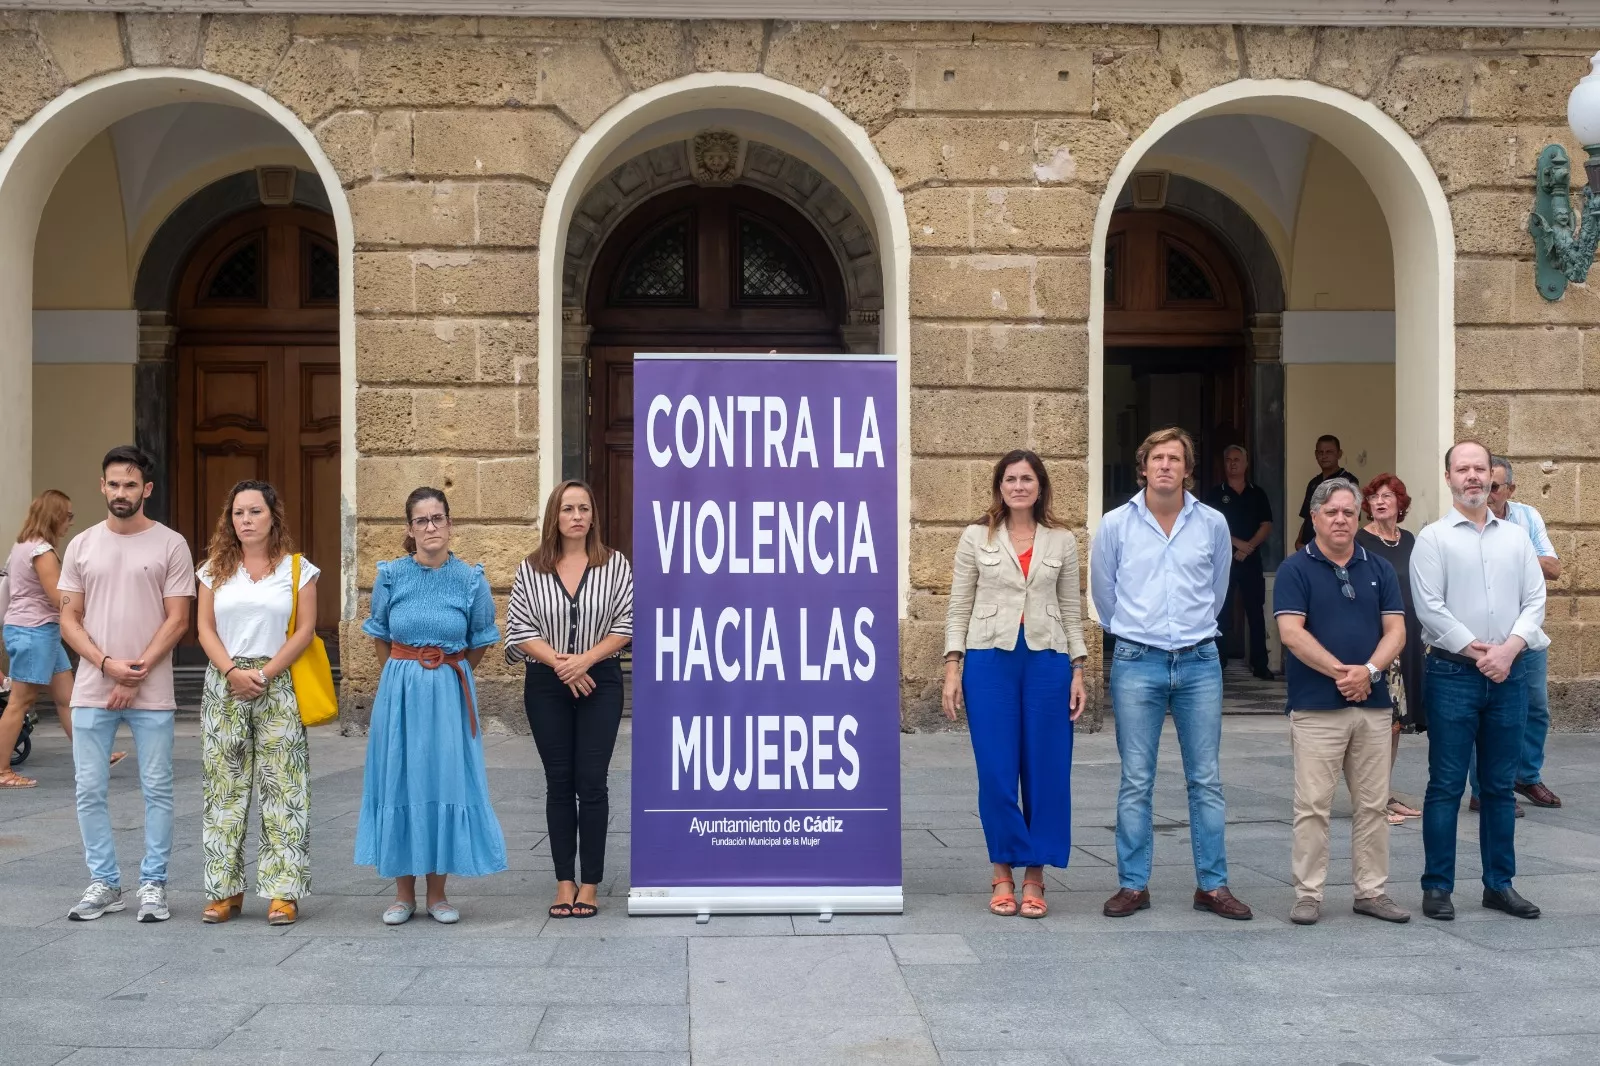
447 131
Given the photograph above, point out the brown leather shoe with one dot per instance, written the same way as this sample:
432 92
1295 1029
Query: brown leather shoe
1538 795
1126 901
1222 903
1474 805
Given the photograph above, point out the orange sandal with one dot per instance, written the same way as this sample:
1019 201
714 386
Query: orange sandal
282 912
220 910
1005 906
1034 906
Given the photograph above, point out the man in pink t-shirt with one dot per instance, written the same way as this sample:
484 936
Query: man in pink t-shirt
127 586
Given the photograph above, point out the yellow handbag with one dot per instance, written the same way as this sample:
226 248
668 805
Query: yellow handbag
311 674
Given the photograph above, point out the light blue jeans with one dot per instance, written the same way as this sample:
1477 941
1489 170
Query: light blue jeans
1145 684
93 730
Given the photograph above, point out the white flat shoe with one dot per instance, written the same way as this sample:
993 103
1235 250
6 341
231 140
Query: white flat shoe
444 913
399 913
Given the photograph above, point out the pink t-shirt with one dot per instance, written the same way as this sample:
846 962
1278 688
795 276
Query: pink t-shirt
125 581
30 603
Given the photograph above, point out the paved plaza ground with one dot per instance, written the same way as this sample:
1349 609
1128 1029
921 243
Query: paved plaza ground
944 982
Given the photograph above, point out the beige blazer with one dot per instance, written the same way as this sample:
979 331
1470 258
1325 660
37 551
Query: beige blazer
989 599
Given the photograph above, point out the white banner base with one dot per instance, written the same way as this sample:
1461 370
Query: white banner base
702 902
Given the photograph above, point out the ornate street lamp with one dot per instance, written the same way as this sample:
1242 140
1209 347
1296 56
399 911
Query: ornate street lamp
1562 253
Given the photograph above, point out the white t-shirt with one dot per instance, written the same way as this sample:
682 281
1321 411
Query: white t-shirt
253 616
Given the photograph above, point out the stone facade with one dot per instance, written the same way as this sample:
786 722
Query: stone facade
447 132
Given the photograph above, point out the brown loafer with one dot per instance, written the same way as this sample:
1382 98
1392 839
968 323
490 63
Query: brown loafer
1126 902
1222 903
1474 805
1538 795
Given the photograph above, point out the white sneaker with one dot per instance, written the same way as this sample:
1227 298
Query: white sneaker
98 898
153 902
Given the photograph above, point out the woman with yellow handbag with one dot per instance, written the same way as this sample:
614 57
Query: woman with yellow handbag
258 616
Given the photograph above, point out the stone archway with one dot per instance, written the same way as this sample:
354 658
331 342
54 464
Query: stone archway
679 164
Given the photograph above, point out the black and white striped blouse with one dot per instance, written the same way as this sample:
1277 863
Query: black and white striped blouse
541 609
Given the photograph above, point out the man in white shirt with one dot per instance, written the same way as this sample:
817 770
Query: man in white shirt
1479 594
1159 573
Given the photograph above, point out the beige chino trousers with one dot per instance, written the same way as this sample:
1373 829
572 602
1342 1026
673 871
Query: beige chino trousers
1324 743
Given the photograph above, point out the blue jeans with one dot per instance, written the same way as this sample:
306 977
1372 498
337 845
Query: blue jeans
1468 713
1145 685
1019 717
1530 768
93 730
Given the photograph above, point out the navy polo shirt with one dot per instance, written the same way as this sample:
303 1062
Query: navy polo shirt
1350 630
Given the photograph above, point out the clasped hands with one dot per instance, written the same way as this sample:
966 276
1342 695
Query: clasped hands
128 674
1242 549
573 671
1494 660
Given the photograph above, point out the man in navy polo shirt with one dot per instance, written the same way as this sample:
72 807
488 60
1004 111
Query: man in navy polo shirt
1342 621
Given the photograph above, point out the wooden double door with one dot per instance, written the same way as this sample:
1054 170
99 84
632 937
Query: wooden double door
1175 348
258 382
728 270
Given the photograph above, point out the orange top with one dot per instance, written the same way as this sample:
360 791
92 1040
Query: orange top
1025 558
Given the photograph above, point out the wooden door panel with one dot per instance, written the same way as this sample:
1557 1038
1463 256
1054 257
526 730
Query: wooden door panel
259 393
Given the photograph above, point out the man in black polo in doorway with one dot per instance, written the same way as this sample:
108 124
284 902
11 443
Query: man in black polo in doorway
1329 453
1249 515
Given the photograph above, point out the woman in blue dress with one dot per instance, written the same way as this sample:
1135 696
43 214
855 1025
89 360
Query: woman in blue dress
425 801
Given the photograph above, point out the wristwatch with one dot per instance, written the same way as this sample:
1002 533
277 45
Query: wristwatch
1374 673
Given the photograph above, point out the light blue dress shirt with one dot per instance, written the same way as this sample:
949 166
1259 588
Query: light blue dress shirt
1520 514
1161 591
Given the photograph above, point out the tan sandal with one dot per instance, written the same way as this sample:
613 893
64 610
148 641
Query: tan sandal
12 779
1034 906
1004 905
283 912
220 910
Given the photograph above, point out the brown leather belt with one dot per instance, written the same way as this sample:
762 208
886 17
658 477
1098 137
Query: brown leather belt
432 659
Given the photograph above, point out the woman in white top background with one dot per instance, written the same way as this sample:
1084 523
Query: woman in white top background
32 626
252 735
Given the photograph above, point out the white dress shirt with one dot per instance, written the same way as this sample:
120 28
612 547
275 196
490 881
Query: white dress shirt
1470 584
1159 590
1520 514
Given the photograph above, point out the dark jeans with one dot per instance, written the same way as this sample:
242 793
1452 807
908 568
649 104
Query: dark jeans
575 738
1247 584
1468 713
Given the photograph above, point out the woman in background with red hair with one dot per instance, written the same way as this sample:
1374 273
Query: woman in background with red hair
1386 503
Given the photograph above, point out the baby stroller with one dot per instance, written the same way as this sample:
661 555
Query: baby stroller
24 746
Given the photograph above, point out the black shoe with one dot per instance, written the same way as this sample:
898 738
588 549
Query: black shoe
1436 905
1507 900
1263 674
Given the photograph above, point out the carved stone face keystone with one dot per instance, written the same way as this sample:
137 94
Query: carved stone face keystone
717 157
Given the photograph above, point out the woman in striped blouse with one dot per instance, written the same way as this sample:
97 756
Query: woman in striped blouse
570 616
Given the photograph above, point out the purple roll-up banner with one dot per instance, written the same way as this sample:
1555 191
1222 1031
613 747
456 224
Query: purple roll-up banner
766 648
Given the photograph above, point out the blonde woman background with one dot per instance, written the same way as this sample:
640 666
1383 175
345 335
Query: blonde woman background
252 736
32 626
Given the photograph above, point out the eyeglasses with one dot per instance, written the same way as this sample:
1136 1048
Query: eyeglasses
1495 486
429 521
1344 582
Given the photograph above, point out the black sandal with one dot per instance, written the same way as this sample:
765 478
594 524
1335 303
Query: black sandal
584 910
561 910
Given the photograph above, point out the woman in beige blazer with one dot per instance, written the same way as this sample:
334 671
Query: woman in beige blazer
1015 621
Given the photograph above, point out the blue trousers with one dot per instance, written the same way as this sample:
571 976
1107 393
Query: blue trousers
93 730
1530 765
1020 722
1145 684
1467 714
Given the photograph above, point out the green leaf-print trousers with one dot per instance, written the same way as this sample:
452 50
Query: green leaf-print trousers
259 743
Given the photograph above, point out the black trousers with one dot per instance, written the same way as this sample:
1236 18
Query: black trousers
575 737
1247 584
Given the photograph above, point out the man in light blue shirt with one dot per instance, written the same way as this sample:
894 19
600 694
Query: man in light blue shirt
1536 660
1159 575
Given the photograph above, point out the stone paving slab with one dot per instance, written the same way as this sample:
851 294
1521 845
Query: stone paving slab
943 982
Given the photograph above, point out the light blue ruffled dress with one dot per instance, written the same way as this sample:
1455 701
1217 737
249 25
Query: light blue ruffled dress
425 797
